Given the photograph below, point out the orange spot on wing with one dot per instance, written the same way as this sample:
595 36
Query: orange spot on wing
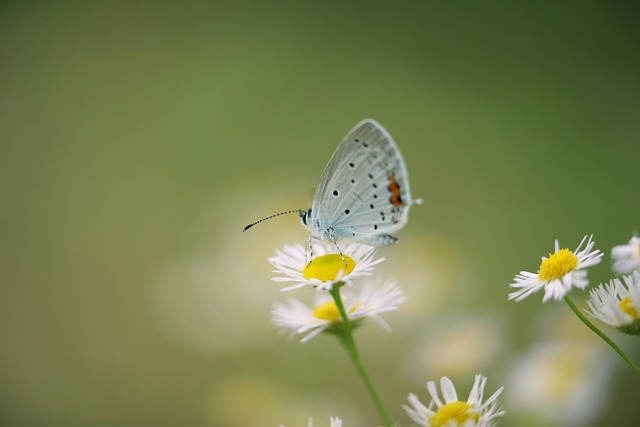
394 189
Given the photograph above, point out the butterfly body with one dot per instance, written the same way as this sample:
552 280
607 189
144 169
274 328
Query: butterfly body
363 195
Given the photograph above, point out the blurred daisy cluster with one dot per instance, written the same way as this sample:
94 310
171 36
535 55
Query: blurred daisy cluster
326 270
551 377
572 396
348 273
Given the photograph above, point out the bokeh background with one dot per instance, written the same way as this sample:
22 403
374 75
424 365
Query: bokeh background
138 138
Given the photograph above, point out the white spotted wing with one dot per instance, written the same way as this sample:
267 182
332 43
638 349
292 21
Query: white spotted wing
364 192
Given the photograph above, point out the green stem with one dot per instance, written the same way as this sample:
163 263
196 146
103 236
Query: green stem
346 337
601 334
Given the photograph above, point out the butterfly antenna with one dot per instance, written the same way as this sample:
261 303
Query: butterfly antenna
299 211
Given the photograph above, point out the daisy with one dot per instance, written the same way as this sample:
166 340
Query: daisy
626 258
326 268
558 273
335 422
561 382
454 413
617 304
300 319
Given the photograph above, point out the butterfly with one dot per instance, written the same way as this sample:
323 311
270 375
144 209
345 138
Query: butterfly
364 194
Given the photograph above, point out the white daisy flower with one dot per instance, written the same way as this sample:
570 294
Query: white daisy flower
453 412
327 266
558 273
300 319
626 258
617 304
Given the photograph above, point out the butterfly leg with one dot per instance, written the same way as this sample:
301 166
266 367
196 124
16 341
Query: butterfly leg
344 261
333 239
308 245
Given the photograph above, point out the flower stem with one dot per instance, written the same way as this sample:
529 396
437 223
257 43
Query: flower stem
346 337
601 334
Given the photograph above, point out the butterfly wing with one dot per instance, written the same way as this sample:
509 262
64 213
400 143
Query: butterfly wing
364 190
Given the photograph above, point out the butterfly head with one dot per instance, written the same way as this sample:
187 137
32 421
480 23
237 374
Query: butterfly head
304 215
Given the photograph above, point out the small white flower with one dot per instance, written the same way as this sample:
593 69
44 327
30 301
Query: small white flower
626 258
558 273
565 382
327 267
617 304
335 422
300 319
453 412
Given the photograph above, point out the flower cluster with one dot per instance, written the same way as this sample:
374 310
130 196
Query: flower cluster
615 303
330 272
338 313
326 271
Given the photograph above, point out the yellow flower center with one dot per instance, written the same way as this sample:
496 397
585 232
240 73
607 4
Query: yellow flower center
329 312
557 265
460 412
327 267
627 306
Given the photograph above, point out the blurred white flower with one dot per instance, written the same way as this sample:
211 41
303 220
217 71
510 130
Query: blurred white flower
617 304
457 344
300 319
626 258
454 413
205 298
558 273
560 383
327 266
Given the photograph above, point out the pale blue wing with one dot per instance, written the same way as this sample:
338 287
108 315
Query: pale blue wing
364 190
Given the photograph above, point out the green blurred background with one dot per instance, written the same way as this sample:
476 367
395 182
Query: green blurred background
137 138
